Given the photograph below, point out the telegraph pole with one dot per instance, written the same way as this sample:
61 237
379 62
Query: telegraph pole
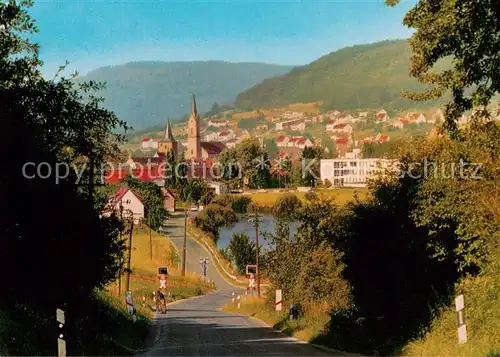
120 271
184 244
127 287
257 250
150 243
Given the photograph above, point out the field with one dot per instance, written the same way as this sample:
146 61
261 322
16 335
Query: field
341 196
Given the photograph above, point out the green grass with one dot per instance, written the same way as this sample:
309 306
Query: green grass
342 196
482 313
305 329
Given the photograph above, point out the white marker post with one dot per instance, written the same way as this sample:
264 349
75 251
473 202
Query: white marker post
233 296
279 301
239 301
61 342
462 330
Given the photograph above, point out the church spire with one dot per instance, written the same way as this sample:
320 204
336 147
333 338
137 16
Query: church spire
168 132
194 110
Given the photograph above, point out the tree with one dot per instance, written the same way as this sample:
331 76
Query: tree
310 165
287 208
468 32
241 251
58 227
155 212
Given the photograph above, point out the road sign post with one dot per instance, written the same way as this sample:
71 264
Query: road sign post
461 329
61 338
279 300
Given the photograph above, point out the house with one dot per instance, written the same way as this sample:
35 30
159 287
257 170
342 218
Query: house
383 138
126 203
219 188
353 172
286 125
300 142
363 115
282 140
211 149
381 116
218 123
342 128
212 137
417 118
298 127
148 143
330 126
226 135
262 127
168 199
231 143
398 124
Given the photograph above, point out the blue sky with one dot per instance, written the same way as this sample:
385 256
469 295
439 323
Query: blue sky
91 34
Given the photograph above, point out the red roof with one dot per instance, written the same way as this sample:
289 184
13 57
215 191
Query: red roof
341 141
331 121
146 173
213 147
383 138
145 140
381 115
280 138
340 126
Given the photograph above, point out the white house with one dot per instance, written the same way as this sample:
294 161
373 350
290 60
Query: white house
298 127
226 136
218 123
126 203
330 126
353 172
148 143
381 116
342 128
212 137
219 188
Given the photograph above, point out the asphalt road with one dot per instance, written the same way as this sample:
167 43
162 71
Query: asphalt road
195 327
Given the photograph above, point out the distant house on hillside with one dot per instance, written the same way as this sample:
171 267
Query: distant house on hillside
218 123
417 118
381 116
298 127
125 201
212 137
342 128
148 143
282 140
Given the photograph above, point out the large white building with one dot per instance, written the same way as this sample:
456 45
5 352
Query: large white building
352 172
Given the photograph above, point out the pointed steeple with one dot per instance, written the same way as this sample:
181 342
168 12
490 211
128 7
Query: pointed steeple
168 132
194 110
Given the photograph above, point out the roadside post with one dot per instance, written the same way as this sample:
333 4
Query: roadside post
61 338
233 296
129 302
279 301
239 297
461 329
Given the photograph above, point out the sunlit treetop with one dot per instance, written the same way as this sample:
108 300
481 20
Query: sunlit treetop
468 31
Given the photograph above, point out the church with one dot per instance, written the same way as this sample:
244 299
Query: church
196 149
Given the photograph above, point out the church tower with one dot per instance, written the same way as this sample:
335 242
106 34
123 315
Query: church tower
193 144
168 142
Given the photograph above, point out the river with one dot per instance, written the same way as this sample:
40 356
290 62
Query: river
266 225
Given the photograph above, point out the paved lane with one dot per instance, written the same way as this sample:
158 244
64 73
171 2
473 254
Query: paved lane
195 327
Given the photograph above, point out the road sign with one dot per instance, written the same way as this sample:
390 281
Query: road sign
251 269
163 271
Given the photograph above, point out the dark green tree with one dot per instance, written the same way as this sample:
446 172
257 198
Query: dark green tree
241 251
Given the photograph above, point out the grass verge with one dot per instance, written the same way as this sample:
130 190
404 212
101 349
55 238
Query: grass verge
260 308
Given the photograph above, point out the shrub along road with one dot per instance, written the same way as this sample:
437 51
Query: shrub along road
195 327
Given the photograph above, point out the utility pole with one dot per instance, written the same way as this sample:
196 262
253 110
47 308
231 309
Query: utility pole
184 244
150 243
120 271
257 249
127 287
